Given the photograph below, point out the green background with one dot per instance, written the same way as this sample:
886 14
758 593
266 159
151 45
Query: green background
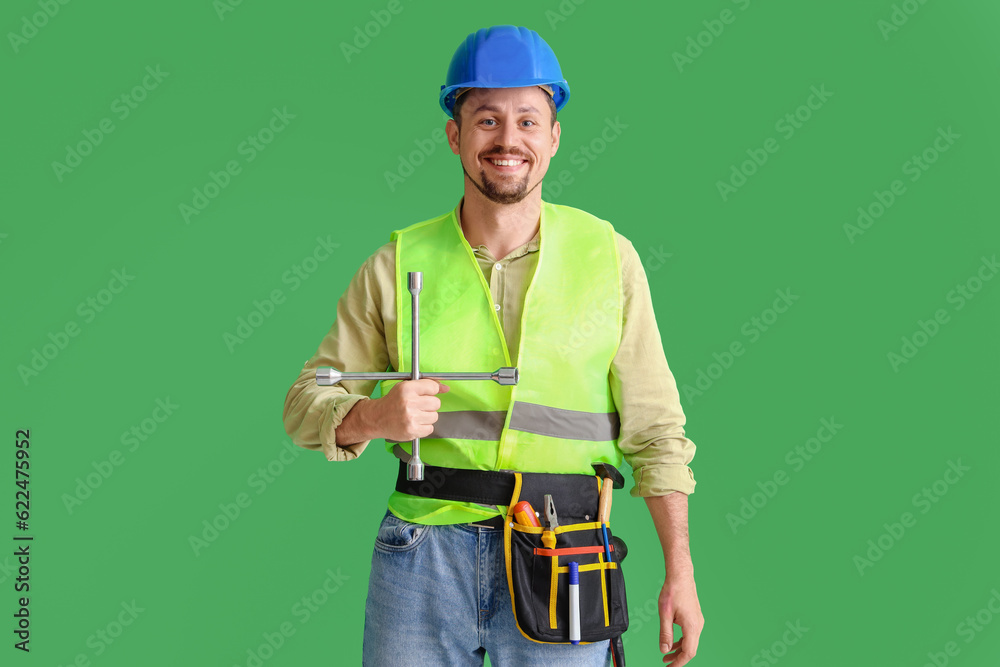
720 262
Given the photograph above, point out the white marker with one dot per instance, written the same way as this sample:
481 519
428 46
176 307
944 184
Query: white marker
574 603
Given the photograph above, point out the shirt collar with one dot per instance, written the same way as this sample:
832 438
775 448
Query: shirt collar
483 251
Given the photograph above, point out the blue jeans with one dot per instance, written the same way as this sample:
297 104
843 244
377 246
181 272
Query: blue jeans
438 595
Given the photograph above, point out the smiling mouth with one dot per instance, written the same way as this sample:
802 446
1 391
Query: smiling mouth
506 165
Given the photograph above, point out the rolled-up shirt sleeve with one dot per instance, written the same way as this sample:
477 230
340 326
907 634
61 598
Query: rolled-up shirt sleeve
356 342
645 393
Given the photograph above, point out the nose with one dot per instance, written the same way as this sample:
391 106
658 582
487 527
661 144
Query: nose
507 137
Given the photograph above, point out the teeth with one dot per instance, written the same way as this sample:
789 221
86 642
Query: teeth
506 163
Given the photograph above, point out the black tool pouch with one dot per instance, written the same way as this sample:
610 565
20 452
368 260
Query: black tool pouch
538 576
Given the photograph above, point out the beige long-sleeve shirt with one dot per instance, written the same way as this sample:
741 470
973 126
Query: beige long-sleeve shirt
363 338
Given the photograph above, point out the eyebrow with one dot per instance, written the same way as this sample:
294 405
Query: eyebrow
496 109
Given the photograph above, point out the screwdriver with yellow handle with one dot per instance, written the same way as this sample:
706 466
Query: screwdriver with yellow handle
524 514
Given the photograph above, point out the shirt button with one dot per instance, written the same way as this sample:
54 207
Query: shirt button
497 266
496 306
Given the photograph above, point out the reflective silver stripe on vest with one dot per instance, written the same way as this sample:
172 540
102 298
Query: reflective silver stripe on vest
468 425
569 424
530 417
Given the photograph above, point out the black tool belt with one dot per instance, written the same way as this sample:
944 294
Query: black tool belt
495 487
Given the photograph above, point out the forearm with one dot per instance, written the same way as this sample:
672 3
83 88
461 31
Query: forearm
313 414
670 516
358 424
678 599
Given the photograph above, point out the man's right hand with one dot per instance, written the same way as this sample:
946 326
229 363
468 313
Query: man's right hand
408 411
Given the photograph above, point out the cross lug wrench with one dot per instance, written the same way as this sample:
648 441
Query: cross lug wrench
326 376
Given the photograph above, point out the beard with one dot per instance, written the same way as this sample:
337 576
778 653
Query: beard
504 190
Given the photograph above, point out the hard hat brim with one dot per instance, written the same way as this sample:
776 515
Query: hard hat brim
559 91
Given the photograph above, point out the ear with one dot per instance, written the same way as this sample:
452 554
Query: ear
556 130
451 129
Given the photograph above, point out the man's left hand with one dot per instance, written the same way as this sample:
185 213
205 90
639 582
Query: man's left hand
679 604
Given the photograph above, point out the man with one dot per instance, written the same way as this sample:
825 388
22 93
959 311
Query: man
511 280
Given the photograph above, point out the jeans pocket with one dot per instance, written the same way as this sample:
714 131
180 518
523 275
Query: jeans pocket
396 535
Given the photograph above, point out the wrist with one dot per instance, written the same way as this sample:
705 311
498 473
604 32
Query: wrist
677 558
356 425
679 570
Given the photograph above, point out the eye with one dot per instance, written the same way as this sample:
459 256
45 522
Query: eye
529 121
489 120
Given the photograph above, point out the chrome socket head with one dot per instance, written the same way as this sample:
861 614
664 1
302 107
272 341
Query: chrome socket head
328 376
506 376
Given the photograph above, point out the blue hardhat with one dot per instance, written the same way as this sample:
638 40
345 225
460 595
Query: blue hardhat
503 56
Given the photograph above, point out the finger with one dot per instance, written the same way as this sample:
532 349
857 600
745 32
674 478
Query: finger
437 388
682 659
674 653
428 403
427 417
681 655
425 386
666 632
691 648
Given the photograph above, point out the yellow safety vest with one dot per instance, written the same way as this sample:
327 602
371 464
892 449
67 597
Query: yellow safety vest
560 417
